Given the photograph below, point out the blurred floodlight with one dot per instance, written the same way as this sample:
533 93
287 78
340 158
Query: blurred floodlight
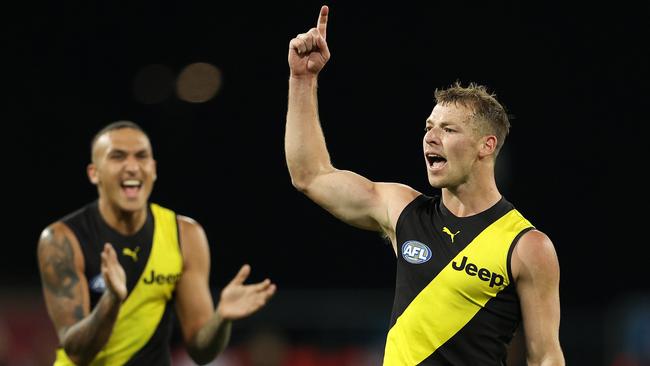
153 84
198 82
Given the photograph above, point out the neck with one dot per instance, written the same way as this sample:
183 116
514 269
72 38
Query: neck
124 222
471 197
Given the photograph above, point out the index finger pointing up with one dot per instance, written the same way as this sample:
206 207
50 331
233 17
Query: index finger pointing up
322 21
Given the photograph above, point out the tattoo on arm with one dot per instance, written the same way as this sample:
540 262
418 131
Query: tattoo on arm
79 312
59 275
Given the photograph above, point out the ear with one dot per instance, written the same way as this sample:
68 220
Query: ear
91 170
155 170
488 145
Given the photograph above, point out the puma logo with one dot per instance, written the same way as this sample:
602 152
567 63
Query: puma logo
451 235
133 253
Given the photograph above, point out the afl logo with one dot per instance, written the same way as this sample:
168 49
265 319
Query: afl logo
415 252
97 284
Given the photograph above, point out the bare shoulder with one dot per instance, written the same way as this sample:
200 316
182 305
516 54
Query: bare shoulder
54 232
396 196
534 254
192 237
187 221
189 226
58 243
398 191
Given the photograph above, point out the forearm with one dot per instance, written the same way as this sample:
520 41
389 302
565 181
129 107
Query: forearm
210 340
553 356
85 339
305 148
556 360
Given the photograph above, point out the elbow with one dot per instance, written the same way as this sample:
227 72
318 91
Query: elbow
203 357
79 353
199 359
77 358
300 185
204 348
302 179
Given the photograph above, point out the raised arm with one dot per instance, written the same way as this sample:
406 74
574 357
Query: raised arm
206 330
537 275
82 333
348 196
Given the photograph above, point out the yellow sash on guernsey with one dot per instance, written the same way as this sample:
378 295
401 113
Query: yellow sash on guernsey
453 297
141 312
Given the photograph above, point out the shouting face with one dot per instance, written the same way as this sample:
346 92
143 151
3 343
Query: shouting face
123 169
453 146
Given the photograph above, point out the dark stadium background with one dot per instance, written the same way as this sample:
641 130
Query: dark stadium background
575 79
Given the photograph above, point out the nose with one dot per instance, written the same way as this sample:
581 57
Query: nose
432 137
131 164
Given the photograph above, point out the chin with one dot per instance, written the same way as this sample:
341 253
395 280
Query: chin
436 182
133 206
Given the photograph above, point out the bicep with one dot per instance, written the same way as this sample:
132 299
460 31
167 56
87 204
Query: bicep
64 285
537 272
358 201
194 304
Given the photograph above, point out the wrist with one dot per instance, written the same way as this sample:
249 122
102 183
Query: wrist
221 315
303 78
113 297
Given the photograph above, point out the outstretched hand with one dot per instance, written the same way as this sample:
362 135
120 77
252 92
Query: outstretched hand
308 52
113 273
238 300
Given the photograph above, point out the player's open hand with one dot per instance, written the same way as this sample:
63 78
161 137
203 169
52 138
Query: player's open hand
308 52
239 300
113 273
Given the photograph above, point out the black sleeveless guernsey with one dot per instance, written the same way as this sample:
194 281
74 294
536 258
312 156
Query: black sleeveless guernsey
455 301
152 261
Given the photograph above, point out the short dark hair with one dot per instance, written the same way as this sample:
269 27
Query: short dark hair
484 105
117 125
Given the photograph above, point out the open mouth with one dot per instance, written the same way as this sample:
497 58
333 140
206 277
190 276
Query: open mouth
131 187
435 161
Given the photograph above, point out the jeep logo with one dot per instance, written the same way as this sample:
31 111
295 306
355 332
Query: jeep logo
162 279
483 274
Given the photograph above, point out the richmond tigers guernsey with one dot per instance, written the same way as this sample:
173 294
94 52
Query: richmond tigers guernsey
455 301
152 261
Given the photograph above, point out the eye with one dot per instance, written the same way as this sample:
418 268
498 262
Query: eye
447 129
116 156
427 128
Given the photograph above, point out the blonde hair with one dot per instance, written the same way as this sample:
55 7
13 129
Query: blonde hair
490 114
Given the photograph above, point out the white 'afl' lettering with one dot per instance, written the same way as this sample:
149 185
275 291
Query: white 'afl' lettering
415 252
